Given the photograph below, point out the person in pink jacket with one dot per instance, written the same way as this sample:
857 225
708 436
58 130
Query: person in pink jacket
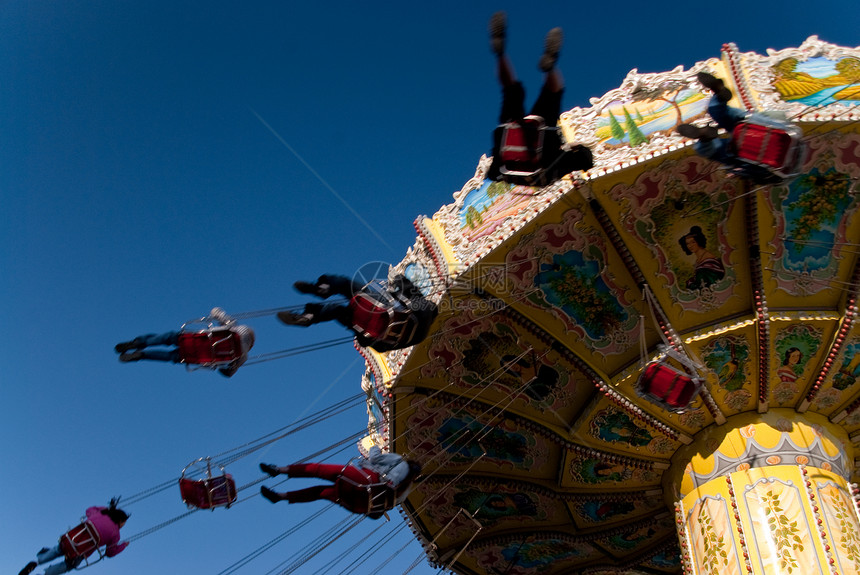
79 543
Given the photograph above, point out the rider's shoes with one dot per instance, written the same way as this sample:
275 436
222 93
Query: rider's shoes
320 290
29 568
715 85
292 318
133 356
269 494
704 134
124 346
305 287
551 49
498 31
271 470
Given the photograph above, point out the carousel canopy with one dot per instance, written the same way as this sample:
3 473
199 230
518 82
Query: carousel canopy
525 404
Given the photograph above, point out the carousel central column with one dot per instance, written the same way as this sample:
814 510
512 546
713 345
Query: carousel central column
767 494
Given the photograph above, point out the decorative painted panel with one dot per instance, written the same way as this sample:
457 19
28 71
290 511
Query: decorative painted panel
843 377
780 527
473 432
818 81
812 215
562 269
639 118
730 359
485 208
605 509
843 528
814 76
617 429
586 471
534 554
795 346
493 505
679 211
712 538
626 538
488 353
664 560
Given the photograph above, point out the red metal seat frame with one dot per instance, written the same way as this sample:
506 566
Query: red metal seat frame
380 496
209 492
668 386
770 144
209 348
521 147
378 315
80 542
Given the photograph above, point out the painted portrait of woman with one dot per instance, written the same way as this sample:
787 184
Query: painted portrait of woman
708 267
786 371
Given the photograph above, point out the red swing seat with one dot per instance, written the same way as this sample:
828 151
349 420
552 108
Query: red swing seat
521 147
380 496
80 542
209 347
209 492
379 316
668 387
369 316
775 146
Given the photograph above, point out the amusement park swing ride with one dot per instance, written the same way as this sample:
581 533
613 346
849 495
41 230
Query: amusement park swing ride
633 364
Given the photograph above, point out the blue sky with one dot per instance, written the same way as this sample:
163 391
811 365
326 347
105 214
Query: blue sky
146 175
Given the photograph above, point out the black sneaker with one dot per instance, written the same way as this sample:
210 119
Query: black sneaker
696 133
31 566
133 356
292 318
269 494
124 346
272 470
319 290
498 28
715 85
305 287
551 49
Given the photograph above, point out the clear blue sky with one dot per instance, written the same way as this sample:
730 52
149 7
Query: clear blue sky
139 188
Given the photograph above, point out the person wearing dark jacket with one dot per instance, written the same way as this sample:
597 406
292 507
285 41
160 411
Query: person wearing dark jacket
554 160
383 315
724 150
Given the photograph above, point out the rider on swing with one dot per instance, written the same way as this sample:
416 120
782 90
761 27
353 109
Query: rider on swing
383 315
99 529
224 346
525 164
373 485
727 150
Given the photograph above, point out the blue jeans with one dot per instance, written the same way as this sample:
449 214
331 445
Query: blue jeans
726 118
49 556
722 150
170 338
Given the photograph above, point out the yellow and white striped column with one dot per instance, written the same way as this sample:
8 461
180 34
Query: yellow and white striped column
767 494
